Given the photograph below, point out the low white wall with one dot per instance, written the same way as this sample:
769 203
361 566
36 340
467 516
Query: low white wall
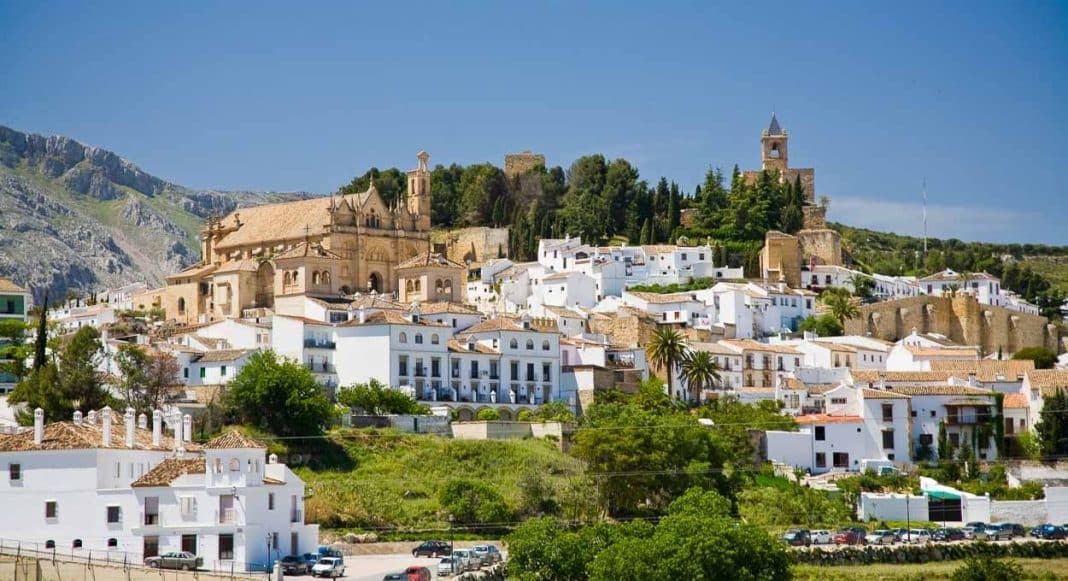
792 449
420 424
1057 504
1024 512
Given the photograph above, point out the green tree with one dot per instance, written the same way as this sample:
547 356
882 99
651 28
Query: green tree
1052 426
374 398
278 395
145 378
839 304
480 187
732 420
863 285
556 411
71 384
699 371
473 502
1043 358
488 415
665 351
40 346
824 325
14 348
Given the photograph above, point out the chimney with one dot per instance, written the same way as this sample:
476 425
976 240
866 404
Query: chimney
91 417
77 417
129 421
187 428
142 421
179 444
38 426
105 424
272 459
157 421
361 313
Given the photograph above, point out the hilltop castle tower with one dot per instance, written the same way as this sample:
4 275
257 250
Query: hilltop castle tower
419 193
774 156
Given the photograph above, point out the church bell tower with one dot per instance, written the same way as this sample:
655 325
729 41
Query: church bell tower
773 146
419 193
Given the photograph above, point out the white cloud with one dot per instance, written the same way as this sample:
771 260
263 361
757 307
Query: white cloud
962 222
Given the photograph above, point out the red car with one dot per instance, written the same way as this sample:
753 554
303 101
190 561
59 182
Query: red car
417 573
850 536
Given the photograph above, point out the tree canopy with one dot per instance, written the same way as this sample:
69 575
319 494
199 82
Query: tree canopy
278 395
374 398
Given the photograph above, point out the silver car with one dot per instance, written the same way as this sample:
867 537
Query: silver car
466 560
487 554
448 566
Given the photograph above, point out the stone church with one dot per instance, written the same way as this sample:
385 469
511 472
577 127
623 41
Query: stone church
328 247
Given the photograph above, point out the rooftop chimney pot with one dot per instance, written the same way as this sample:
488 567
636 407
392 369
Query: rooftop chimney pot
38 426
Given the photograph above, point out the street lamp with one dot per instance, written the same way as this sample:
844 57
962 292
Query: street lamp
452 536
268 552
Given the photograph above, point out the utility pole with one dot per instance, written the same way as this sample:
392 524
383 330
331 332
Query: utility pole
925 216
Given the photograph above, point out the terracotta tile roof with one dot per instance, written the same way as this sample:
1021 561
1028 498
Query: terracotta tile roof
440 307
716 348
234 439
246 265
222 355
303 250
273 481
429 259
987 370
873 376
838 347
1048 381
169 470
750 345
756 390
375 301
197 270
658 248
969 401
1016 401
283 221
564 312
826 419
390 317
8 286
965 352
511 324
68 436
882 394
939 390
820 388
663 298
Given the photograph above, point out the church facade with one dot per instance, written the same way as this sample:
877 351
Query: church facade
328 247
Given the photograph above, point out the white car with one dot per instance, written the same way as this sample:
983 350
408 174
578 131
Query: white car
919 536
329 567
822 537
448 566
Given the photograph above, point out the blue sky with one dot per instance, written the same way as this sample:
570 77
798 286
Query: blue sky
302 96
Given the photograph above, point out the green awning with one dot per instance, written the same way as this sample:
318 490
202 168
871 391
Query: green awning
942 494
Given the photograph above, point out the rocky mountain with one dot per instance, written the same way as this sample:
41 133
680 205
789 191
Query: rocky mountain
74 216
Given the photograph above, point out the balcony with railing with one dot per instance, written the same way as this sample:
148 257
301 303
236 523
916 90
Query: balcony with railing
226 516
320 367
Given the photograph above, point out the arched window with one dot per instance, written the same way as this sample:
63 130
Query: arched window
409 285
775 153
77 544
235 466
181 306
50 544
286 279
218 465
296 277
513 343
403 337
250 464
447 287
530 344
113 542
316 278
438 286
434 340
326 277
545 345
418 285
418 338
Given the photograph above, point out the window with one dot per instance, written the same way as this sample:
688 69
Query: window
188 506
50 544
888 439
235 466
223 371
274 541
418 338
434 340
218 466
546 371
838 401
530 344
185 372
113 542
402 365
913 413
544 345
932 413
226 547
14 471
51 509
821 433
270 501
114 514
926 439
888 412
203 372
821 460
890 457
403 337
513 344
840 459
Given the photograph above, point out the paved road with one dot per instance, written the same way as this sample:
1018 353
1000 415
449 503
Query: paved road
374 567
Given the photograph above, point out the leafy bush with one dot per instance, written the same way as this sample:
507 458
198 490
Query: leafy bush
473 502
987 569
488 415
824 325
1043 358
377 399
280 396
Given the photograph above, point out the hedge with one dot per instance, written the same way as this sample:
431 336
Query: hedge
932 552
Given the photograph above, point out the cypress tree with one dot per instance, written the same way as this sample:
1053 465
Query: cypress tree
41 343
647 233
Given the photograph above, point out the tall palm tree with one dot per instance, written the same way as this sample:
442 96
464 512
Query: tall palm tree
840 304
666 350
699 371
862 285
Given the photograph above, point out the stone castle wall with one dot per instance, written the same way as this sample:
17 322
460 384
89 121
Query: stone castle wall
962 319
520 163
475 245
781 257
814 217
825 246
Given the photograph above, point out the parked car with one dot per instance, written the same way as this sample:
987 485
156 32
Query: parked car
432 549
176 560
900 534
468 559
918 536
412 573
329 567
448 566
1017 530
294 565
948 534
797 538
822 537
395 577
487 554
310 559
882 537
976 525
996 533
850 536
969 532
1050 532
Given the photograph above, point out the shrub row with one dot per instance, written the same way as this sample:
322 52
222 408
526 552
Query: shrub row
932 552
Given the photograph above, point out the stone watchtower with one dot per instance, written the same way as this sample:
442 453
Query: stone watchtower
773 152
419 193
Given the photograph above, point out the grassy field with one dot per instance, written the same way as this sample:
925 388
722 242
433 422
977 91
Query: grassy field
1033 569
1053 268
364 480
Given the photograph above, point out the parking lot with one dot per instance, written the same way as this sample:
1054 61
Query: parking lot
374 567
